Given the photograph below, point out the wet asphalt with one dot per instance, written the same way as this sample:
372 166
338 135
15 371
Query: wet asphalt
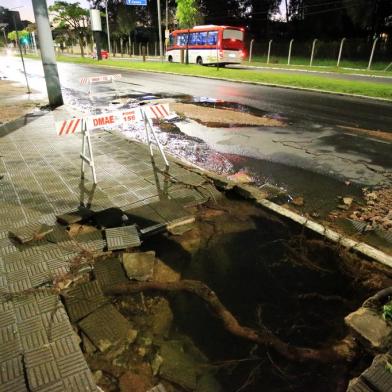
315 154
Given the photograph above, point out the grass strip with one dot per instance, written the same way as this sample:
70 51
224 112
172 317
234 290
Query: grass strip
307 81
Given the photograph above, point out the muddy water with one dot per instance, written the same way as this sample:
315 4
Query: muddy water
243 255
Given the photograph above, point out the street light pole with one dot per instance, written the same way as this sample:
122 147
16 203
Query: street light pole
48 57
21 54
160 29
107 25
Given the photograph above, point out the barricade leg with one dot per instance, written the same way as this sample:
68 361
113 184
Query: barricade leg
147 134
89 159
157 141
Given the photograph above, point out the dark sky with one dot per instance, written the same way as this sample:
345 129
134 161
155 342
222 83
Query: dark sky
26 12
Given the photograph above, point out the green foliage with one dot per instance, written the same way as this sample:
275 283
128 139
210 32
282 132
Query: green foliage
387 311
388 367
23 35
70 14
187 13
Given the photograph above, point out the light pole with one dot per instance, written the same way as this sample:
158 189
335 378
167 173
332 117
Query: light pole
160 29
20 50
48 57
107 25
3 26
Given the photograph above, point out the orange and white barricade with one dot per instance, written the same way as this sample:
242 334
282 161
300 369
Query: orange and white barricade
128 116
91 80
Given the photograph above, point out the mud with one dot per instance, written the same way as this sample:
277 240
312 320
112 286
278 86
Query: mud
222 117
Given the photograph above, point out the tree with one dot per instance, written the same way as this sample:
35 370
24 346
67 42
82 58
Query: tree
187 14
73 17
125 23
23 36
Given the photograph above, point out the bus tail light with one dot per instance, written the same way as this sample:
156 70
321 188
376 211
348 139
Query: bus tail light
221 53
243 54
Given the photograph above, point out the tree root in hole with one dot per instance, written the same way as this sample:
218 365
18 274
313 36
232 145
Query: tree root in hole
343 350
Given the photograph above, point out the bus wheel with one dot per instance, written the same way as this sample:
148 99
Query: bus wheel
199 61
170 58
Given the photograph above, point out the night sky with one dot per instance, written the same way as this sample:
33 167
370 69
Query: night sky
26 13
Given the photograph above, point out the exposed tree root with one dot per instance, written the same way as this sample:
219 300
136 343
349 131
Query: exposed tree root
343 350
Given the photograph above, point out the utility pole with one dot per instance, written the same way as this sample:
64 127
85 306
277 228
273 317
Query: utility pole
21 54
167 15
52 79
160 29
107 26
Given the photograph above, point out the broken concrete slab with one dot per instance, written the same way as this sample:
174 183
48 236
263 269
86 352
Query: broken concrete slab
107 327
170 210
139 266
109 272
72 217
144 216
92 241
371 327
163 273
177 366
83 299
122 237
30 232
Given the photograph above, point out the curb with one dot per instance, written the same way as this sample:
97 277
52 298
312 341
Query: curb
258 197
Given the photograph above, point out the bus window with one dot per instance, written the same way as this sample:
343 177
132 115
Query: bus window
233 34
202 38
193 39
171 40
212 38
181 39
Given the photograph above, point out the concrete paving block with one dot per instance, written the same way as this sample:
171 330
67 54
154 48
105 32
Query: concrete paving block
170 210
143 216
31 232
42 370
378 377
80 382
139 266
92 242
106 327
122 237
12 375
56 324
32 333
83 299
109 272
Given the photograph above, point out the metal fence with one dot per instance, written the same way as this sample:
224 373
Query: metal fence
353 53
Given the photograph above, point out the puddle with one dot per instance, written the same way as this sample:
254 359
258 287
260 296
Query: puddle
302 296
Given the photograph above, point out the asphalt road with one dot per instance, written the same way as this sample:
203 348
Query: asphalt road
315 154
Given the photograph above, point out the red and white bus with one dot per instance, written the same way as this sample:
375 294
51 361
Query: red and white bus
207 45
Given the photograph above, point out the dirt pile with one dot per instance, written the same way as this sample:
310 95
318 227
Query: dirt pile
377 213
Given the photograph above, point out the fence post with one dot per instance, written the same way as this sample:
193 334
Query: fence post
372 53
251 49
340 51
133 48
269 50
155 48
140 48
290 47
312 54
148 49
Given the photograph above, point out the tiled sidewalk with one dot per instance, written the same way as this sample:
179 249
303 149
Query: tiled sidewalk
39 179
